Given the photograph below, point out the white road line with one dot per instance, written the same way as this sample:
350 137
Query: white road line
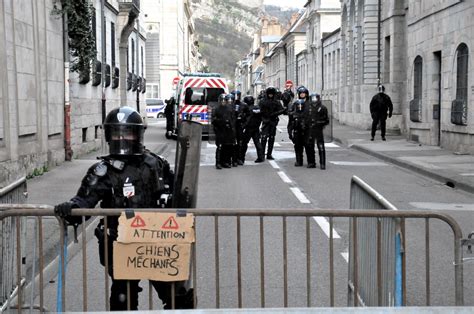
358 163
209 145
276 144
331 145
274 164
324 225
467 174
300 196
345 255
284 177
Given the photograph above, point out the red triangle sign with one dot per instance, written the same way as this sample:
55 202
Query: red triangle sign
138 222
170 223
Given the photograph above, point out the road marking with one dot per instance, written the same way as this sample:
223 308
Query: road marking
345 256
274 164
276 144
324 225
299 195
284 177
467 174
358 163
331 145
442 206
209 145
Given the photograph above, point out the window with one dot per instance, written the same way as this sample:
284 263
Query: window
459 105
133 56
112 43
416 103
418 78
151 91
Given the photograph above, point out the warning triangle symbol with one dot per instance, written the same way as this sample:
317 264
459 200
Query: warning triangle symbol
170 223
138 222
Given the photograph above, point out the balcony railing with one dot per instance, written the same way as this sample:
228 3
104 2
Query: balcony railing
129 4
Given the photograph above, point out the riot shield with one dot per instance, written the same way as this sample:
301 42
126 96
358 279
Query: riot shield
211 106
188 154
328 130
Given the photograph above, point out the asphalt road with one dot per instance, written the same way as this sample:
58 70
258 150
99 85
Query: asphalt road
278 184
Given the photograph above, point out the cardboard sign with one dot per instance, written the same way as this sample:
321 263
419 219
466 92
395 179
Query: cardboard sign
156 227
153 246
152 261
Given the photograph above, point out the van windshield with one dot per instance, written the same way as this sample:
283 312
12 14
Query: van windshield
201 96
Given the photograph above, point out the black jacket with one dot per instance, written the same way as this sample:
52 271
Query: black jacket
380 105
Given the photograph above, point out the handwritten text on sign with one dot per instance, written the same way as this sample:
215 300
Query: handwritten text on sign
154 246
152 261
153 227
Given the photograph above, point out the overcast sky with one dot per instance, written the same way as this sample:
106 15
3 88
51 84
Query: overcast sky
286 3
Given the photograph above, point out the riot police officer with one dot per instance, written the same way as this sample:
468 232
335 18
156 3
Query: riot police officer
169 114
315 121
287 97
129 177
251 128
297 129
224 128
270 109
240 112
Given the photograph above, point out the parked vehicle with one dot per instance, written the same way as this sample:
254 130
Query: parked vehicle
197 94
155 108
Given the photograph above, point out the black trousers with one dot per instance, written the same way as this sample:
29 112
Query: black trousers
375 121
119 290
255 136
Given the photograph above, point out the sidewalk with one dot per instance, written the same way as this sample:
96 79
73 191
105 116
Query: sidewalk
454 170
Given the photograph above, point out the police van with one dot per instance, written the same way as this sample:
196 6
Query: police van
155 108
196 95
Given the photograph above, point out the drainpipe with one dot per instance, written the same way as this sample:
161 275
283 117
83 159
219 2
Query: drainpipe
286 62
102 12
123 48
67 103
322 66
137 49
379 39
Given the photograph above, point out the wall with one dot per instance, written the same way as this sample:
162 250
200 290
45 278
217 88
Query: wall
32 88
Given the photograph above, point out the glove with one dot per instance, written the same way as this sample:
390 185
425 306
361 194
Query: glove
63 210
390 115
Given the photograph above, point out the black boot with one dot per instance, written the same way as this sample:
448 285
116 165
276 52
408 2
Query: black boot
299 157
218 158
271 142
263 146
322 156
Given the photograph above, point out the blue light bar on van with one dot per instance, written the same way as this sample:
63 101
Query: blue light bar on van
202 74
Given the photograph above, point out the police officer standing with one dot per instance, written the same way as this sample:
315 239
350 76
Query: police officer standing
287 97
129 177
251 128
169 114
239 118
223 123
380 107
315 120
297 128
270 108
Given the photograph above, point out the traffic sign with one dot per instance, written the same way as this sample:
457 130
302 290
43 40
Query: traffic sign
176 80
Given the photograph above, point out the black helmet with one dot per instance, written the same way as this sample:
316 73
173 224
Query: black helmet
271 91
249 100
124 130
315 97
237 94
302 90
229 98
221 99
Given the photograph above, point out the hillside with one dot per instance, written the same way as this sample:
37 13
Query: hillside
225 29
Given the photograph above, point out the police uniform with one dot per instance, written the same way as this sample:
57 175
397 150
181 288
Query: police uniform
130 177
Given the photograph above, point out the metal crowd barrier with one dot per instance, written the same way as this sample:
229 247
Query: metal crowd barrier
11 230
218 277
379 246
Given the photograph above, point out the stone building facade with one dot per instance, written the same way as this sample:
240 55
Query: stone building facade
171 31
422 59
48 114
32 88
280 61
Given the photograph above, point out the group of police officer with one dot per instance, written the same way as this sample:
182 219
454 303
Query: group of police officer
237 121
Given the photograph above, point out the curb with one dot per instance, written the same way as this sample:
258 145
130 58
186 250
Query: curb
438 177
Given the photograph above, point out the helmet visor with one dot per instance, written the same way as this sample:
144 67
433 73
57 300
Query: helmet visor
124 139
